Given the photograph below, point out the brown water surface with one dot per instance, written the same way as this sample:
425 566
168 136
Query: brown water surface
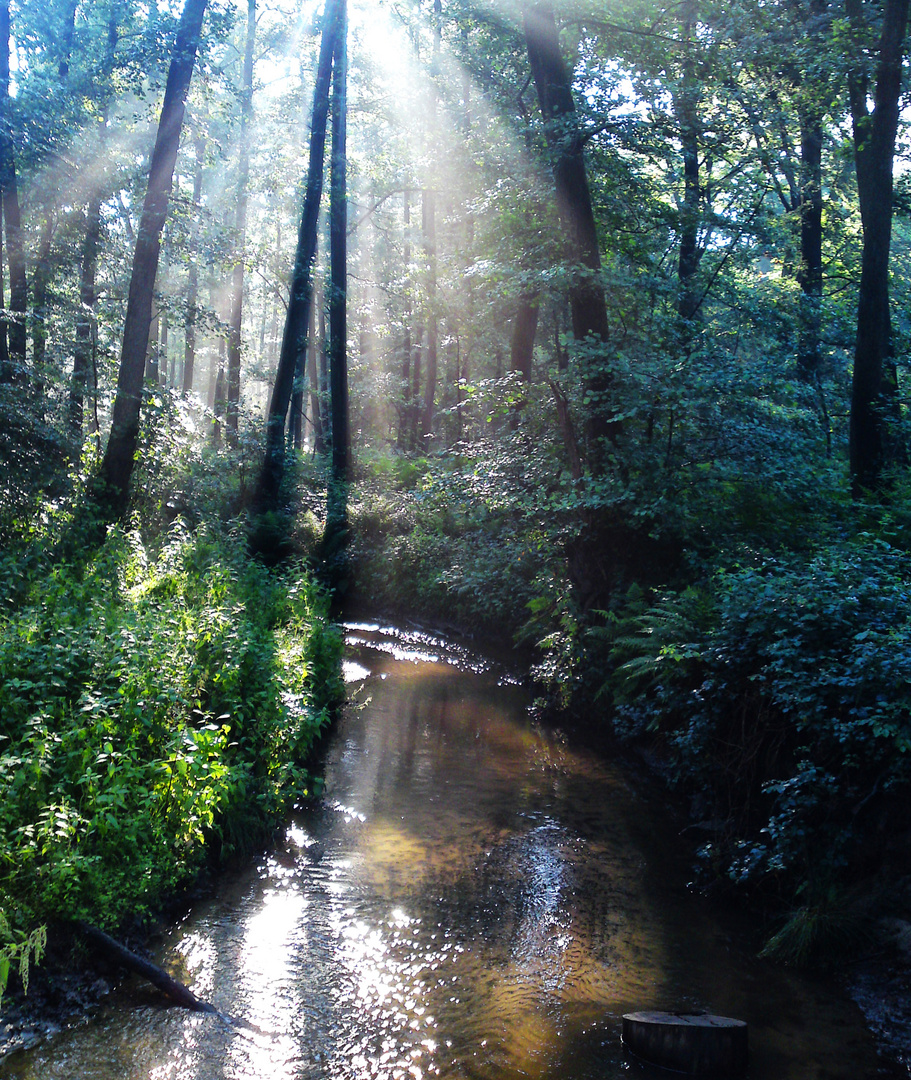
471 898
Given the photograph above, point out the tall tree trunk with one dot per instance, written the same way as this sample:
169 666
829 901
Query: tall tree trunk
874 385
295 333
163 328
86 327
417 349
306 365
429 217
41 281
117 464
522 345
336 531
240 231
338 258
43 273
405 440
685 107
6 372
809 275
313 348
85 321
524 328
189 352
66 40
18 288
574 206
431 331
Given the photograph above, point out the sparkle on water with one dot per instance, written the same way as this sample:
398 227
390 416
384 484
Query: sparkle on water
470 898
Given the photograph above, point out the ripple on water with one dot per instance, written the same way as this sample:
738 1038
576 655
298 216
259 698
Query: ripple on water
469 900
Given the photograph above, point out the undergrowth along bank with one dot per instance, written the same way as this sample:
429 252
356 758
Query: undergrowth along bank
157 708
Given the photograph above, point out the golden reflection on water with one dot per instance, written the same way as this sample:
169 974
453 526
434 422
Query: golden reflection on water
471 899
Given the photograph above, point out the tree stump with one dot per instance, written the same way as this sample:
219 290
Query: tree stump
696 1044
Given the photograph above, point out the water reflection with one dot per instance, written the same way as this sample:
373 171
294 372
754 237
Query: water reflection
470 899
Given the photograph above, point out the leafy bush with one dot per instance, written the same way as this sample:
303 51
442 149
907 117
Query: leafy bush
153 706
784 697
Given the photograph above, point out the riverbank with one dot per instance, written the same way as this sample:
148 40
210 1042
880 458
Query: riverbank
474 893
159 704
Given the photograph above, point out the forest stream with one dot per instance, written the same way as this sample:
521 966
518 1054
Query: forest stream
470 897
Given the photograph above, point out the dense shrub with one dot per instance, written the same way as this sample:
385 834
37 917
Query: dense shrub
153 706
783 694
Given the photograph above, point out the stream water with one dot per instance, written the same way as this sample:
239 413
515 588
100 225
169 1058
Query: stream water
471 898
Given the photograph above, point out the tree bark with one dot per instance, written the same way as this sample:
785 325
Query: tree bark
574 206
189 352
6 371
429 221
874 385
685 107
524 328
18 288
522 345
316 409
240 231
405 440
85 321
338 258
809 275
117 464
294 338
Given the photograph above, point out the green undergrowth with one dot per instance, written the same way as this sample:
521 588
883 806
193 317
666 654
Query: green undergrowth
445 538
157 709
781 695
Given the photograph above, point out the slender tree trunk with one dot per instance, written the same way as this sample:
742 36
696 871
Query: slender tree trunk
117 464
294 337
405 440
240 231
417 349
574 206
809 275
522 345
6 372
316 412
685 107
338 258
41 281
874 386
85 322
302 379
151 365
189 352
18 289
163 360
429 216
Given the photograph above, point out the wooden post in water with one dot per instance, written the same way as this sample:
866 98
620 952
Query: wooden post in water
697 1044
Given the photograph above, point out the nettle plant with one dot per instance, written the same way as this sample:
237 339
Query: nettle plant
155 706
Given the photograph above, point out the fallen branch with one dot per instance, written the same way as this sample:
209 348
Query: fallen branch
173 988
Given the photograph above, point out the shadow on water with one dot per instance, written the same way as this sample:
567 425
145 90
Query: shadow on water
471 898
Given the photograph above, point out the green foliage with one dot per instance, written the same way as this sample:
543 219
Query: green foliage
784 697
445 537
19 950
828 924
155 705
